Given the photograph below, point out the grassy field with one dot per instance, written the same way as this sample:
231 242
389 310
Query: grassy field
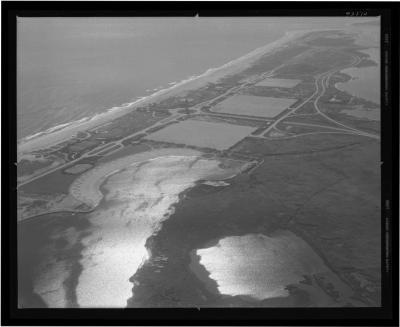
325 189
77 169
125 151
311 119
339 113
55 182
202 134
258 106
26 167
307 144
279 82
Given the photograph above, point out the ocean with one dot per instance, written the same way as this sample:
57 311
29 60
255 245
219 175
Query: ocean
71 68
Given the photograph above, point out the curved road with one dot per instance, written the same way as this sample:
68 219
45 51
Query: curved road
322 79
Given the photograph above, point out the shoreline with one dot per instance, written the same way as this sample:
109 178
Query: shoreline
351 72
139 214
91 181
63 132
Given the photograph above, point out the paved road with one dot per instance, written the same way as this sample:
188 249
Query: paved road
324 85
293 110
323 79
320 90
175 116
88 154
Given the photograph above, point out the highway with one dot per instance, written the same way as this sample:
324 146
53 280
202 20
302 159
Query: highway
293 110
174 116
323 79
324 85
90 153
321 83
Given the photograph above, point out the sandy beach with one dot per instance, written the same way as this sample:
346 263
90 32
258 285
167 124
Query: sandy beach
56 134
221 196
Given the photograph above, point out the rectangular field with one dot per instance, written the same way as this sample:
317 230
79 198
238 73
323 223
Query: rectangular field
202 134
253 105
279 82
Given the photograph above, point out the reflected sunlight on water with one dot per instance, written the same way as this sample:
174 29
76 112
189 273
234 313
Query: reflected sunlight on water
138 200
258 265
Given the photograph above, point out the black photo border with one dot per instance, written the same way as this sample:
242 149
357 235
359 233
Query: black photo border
386 315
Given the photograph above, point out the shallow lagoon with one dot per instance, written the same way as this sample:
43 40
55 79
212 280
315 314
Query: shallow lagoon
138 196
267 267
365 82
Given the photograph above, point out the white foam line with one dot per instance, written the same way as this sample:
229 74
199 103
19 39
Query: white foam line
63 132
